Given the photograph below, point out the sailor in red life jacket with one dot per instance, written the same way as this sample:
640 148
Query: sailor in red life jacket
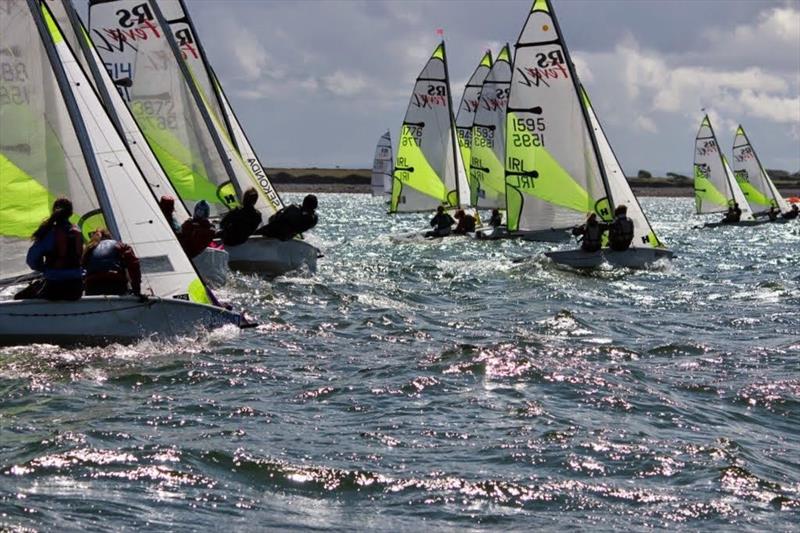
56 253
109 265
197 232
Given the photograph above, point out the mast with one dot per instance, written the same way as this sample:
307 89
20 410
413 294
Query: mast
77 120
187 78
209 72
575 85
453 141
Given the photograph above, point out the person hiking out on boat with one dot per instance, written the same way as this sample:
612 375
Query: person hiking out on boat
792 213
773 213
496 219
466 223
167 205
110 266
197 232
56 253
592 232
733 215
292 220
441 223
238 224
620 231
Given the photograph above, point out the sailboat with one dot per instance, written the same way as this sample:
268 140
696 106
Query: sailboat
715 188
753 179
188 121
487 170
428 170
470 99
57 140
559 164
212 263
381 180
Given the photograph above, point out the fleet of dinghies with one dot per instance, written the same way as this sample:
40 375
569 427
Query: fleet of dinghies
58 140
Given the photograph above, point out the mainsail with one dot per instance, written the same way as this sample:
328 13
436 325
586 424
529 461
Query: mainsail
754 181
58 140
466 114
715 188
487 167
553 174
382 167
429 169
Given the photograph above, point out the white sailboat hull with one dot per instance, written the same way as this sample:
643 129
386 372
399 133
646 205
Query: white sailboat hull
212 264
97 320
630 258
272 257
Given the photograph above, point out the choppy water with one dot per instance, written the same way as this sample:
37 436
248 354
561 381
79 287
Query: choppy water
438 386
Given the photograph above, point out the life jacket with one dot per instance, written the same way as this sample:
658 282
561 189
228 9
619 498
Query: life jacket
620 233
67 248
592 237
105 257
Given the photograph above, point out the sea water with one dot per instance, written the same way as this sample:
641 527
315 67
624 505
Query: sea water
450 385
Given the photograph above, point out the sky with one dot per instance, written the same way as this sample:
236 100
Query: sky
315 83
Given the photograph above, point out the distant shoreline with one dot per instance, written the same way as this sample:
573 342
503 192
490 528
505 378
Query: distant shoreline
356 181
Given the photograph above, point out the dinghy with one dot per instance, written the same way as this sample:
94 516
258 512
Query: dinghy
753 179
381 180
470 100
212 263
184 114
559 163
57 140
428 170
715 188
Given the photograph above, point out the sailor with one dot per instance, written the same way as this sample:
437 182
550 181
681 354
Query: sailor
773 213
496 219
292 220
197 232
237 225
592 232
466 223
792 213
167 205
110 265
733 215
56 253
441 223
620 231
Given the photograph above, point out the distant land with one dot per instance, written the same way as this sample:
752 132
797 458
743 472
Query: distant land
356 180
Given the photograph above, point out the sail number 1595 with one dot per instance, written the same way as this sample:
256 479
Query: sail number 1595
528 132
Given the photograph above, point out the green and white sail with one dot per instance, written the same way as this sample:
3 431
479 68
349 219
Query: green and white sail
753 179
57 140
76 35
553 175
619 190
715 188
382 167
466 114
176 122
429 169
487 166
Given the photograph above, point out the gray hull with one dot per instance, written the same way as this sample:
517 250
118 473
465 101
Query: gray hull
630 258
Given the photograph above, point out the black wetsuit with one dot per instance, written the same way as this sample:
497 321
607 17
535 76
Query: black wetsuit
290 221
592 235
237 225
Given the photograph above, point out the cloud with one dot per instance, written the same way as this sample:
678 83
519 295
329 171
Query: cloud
646 124
343 83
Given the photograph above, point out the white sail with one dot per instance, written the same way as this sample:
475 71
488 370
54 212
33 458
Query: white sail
715 187
75 34
79 153
382 167
487 166
619 189
753 179
427 171
553 177
466 114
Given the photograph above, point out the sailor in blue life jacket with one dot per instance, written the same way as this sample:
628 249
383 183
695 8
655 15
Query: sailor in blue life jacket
237 225
620 231
167 205
56 253
441 223
292 220
592 232
109 265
